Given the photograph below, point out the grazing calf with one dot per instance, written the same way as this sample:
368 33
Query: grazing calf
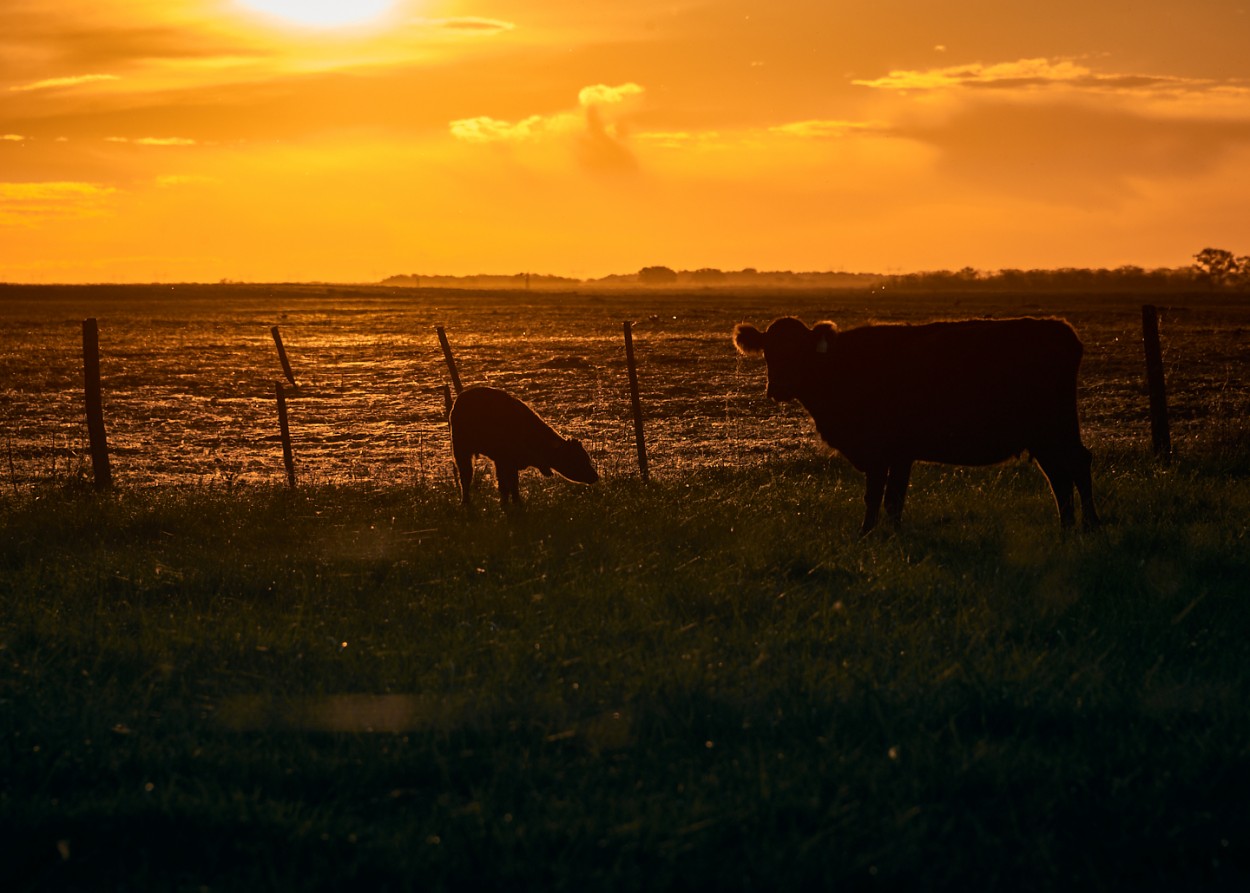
969 392
488 422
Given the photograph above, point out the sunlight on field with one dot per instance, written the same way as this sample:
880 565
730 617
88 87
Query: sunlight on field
189 376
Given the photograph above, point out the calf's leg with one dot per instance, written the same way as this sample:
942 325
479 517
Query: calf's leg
464 471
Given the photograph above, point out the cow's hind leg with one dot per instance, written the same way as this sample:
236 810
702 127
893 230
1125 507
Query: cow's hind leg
1085 486
464 472
896 490
1058 472
872 498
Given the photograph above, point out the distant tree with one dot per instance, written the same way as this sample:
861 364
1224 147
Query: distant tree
1221 268
708 275
657 276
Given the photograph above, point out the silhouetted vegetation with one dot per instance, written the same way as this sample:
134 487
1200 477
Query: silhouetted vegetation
482 280
1122 280
657 276
1221 269
1215 269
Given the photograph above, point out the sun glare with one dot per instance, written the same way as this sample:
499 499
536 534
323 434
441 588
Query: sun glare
321 13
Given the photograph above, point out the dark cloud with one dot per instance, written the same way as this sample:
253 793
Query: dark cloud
472 25
35 45
600 147
1074 153
1127 83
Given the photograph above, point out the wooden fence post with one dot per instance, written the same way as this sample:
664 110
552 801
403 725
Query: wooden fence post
286 364
95 405
1159 433
451 362
637 404
288 458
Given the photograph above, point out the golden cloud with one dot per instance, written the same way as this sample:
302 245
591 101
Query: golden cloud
1036 73
54 83
979 74
54 191
821 129
484 129
29 203
153 140
602 94
173 181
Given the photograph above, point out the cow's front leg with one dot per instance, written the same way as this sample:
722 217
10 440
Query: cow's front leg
872 498
509 482
896 490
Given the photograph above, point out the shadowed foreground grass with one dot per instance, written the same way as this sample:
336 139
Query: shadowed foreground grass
703 683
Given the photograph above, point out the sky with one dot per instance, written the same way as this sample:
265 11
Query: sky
202 140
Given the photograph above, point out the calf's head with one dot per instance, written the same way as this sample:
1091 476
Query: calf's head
574 463
790 349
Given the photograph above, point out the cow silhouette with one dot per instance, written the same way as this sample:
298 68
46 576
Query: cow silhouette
489 422
965 392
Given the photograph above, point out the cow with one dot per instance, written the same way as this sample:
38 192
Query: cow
961 392
489 422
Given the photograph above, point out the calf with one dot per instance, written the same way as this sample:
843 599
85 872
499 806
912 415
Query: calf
969 392
488 422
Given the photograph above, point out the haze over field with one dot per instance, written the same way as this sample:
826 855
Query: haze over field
271 140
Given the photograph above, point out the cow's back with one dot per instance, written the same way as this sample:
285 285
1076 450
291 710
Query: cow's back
969 392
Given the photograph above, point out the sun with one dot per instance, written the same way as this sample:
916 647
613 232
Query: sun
322 13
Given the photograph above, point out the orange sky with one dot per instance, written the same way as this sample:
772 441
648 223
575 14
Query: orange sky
159 140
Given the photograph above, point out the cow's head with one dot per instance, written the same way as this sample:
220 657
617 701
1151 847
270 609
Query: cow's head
789 348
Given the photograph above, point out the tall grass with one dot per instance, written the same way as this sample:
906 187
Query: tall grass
706 683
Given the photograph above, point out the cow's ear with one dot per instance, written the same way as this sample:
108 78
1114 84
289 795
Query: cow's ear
748 339
825 332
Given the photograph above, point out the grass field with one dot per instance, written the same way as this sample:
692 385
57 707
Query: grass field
708 682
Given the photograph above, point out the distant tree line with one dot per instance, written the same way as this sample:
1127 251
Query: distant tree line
707 277
1214 269
1221 269
482 280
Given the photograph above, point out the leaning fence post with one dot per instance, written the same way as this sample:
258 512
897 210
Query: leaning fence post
451 361
286 364
637 404
95 405
1159 434
288 457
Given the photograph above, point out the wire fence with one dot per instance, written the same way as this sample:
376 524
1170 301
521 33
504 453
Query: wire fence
188 376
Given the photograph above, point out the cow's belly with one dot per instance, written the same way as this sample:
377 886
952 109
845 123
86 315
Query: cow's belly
968 453
975 439
931 447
